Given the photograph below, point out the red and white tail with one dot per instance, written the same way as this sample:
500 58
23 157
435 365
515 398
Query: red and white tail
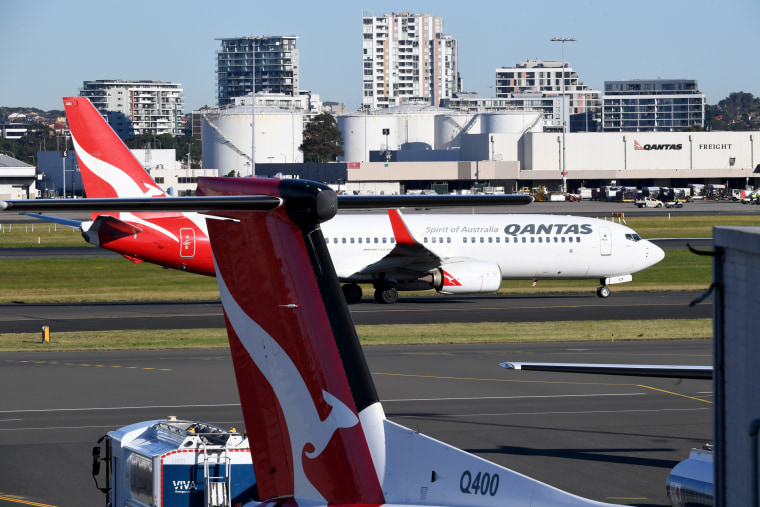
317 430
107 166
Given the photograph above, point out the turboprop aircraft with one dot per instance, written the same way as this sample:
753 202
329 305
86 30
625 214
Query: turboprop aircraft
452 253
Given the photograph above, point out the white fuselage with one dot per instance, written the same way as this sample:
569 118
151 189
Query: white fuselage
524 246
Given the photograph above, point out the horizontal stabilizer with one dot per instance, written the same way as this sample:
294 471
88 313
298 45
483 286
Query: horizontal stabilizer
635 370
77 224
106 225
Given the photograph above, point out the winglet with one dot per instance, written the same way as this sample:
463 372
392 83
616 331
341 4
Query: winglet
401 232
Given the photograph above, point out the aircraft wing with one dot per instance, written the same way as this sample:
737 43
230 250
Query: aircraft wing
408 254
636 370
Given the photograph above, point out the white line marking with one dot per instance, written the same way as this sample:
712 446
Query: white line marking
517 397
148 407
556 413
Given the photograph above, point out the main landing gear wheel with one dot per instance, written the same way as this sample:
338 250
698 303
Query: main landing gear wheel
352 292
386 295
603 291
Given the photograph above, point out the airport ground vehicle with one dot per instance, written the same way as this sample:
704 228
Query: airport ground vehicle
648 202
173 463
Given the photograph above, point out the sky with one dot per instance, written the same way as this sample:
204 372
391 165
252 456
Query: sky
51 47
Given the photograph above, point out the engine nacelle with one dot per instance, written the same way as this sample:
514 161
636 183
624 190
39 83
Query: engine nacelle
467 277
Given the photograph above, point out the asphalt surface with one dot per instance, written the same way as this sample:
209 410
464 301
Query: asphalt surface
612 439
608 438
62 317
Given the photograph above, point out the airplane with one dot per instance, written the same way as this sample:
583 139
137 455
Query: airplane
451 253
318 432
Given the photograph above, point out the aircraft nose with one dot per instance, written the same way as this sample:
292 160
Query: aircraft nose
654 253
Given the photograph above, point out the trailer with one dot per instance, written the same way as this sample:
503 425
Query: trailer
174 463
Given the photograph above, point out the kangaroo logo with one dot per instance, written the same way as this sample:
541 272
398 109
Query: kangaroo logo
309 434
120 181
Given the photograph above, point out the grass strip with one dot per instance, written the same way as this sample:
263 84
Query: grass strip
114 279
484 332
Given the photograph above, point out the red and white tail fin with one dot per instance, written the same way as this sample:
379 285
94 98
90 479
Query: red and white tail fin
316 428
107 166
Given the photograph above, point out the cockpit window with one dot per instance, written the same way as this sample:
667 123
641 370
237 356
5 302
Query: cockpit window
633 237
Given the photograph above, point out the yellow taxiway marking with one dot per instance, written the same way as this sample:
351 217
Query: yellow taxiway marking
18 499
88 365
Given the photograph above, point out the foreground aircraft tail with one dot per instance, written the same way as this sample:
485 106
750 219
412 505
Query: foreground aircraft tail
318 431
108 167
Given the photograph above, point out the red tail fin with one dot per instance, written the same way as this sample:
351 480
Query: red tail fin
108 167
301 377
317 431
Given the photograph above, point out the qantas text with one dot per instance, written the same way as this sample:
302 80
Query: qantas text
516 229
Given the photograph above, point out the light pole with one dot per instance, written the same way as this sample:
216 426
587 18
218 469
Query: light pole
564 108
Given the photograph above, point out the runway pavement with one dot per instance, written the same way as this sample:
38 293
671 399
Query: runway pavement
29 318
609 438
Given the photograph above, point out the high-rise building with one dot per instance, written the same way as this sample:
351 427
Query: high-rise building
639 105
530 83
247 65
407 58
137 107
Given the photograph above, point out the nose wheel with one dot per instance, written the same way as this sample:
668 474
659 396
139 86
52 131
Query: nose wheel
603 291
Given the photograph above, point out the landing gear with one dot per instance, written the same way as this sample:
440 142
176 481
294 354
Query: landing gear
386 295
603 291
352 292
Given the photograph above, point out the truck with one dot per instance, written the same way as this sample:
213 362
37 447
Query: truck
174 463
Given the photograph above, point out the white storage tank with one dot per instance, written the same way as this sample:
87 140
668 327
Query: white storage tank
449 129
364 132
510 122
410 127
228 138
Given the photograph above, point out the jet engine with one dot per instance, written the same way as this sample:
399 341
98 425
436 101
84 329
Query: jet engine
466 277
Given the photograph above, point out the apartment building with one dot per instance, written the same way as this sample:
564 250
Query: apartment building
252 64
407 58
539 84
658 105
137 107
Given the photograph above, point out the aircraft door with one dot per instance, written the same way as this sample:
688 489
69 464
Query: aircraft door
187 243
605 239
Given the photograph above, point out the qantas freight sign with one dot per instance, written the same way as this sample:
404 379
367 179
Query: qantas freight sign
656 147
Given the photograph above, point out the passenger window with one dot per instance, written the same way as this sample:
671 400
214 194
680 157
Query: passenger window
540 239
532 239
482 239
424 240
563 239
448 239
506 240
343 240
524 240
384 240
578 239
464 240
376 240
393 240
360 240
352 241
490 239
